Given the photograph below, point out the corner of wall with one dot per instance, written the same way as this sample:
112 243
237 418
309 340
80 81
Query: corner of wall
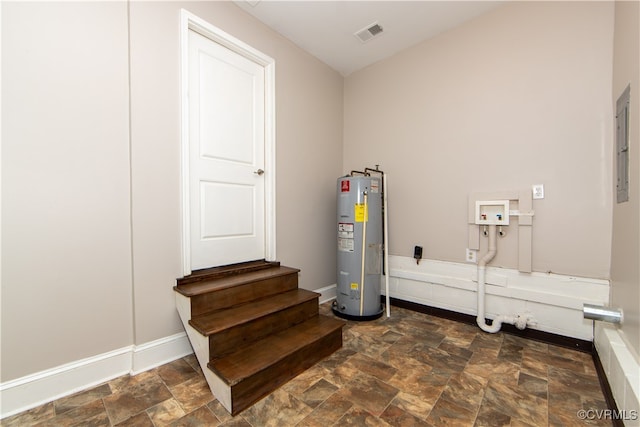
622 368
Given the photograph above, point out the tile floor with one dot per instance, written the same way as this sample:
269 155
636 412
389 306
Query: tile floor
410 369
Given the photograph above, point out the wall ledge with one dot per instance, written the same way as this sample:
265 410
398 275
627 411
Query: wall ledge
555 301
327 293
622 370
532 334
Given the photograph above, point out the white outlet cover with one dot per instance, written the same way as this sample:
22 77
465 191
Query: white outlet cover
538 191
471 256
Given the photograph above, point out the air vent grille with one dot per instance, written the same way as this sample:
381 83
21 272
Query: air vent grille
375 30
369 32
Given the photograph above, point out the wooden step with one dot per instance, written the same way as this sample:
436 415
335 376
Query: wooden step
238 326
226 270
228 291
191 289
253 328
256 370
217 321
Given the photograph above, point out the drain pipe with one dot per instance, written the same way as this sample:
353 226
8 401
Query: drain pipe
519 321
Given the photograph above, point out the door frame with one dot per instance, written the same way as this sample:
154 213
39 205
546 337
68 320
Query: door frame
189 21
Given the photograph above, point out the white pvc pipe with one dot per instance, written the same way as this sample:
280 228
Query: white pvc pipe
364 248
482 271
386 243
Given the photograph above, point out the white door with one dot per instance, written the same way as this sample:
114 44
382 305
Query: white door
226 94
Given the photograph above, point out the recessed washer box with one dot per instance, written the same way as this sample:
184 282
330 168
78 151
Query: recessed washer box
492 212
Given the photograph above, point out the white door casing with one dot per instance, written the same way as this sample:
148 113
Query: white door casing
228 139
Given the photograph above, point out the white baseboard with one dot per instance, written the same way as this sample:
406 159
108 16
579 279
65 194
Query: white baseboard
328 293
622 368
554 300
36 389
159 352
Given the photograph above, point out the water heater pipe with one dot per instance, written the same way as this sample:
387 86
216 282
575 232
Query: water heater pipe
385 233
482 267
364 248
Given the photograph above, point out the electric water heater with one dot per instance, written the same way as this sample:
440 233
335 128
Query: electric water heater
359 231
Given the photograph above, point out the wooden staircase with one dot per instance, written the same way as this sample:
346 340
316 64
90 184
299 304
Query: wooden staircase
253 328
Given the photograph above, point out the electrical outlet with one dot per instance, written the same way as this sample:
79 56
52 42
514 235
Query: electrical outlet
538 191
471 256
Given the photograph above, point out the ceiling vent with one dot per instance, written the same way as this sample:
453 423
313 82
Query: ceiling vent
369 32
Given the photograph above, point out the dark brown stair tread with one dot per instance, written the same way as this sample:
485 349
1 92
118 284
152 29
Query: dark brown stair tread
262 354
220 320
203 287
226 270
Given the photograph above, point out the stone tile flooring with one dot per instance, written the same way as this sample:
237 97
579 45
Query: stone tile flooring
410 369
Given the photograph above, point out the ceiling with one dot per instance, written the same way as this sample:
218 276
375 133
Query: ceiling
326 29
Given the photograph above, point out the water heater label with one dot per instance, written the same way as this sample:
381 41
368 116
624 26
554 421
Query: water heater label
375 186
344 186
345 230
361 213
345 245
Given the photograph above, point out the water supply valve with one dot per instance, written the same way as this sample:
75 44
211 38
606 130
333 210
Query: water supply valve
492 212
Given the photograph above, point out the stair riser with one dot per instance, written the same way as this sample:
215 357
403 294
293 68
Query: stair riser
225 271
229 340
229 297
250 390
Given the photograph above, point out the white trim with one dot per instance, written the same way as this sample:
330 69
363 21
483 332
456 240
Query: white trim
200 344
184 146
328 293
189 21
159 352
270 161
45 386
555 301
621 366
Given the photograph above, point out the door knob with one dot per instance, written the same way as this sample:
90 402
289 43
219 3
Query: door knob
258 172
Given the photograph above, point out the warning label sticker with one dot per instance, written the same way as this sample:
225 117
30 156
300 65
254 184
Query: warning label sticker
345 237
345 245
361 213
375 186
354 291
345 230
344 186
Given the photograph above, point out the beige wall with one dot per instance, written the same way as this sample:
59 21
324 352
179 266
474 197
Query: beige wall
518 96
66 259
625 253
91 219
77 254
309 140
